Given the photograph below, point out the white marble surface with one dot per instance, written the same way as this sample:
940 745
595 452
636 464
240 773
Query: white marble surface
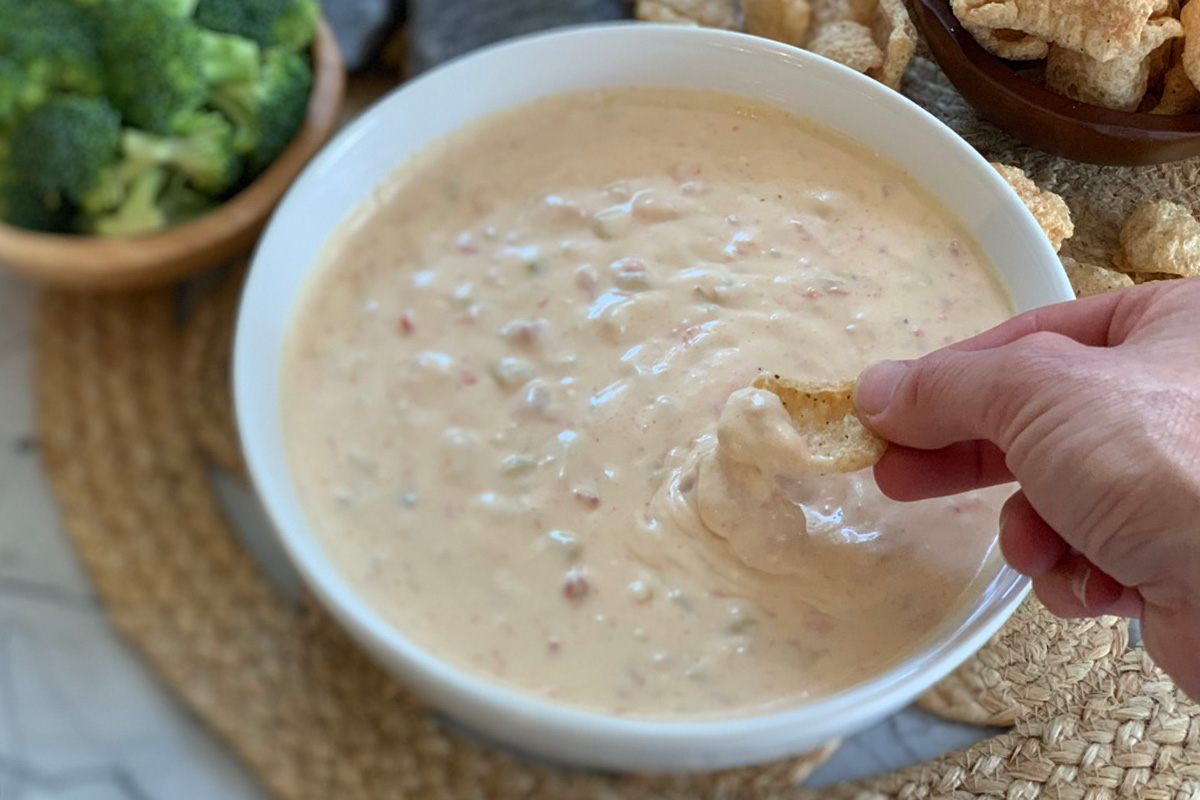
81 718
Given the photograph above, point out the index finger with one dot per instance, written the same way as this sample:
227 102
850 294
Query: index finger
1088 321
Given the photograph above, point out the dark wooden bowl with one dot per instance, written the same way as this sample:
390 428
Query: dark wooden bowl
1045 120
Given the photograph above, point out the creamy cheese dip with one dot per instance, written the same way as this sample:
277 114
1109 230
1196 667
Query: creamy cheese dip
506 385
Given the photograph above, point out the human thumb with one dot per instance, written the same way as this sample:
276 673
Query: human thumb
954 395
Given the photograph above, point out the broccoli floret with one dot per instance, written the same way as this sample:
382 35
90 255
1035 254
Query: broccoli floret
227 58
18 93
267 112
60 153
139 213
296 26
178 8
24 207
203 152
52 44
153 64
181 202
160 67
109 191
60 149
289 24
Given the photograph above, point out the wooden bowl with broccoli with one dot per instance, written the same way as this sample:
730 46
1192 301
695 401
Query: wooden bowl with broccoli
143 140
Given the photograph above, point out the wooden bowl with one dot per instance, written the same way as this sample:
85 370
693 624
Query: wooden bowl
1045 120
94 262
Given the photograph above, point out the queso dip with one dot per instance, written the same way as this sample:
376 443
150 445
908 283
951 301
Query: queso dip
516 407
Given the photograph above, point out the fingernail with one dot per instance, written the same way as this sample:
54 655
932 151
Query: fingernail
877 385
1079 583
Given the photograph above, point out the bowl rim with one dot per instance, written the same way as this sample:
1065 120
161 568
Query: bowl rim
1051 104
858 705
228 230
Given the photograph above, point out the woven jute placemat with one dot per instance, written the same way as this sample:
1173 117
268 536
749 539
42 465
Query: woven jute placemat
135 406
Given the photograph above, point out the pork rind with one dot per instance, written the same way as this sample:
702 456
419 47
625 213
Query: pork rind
1049 209
1102 29
848 43
827 12
1162 58
1088 279
896 35
710 13
1189 17
823 414
1119 83
1009 44
1179 94
872 36
1161 237
785 21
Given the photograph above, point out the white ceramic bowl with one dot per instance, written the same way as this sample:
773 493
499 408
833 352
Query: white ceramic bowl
585 58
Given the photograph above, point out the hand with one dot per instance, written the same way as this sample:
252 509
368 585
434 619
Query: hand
1093 407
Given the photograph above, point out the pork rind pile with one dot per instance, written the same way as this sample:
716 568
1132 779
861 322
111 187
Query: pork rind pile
875 37
1127 55
1159 241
